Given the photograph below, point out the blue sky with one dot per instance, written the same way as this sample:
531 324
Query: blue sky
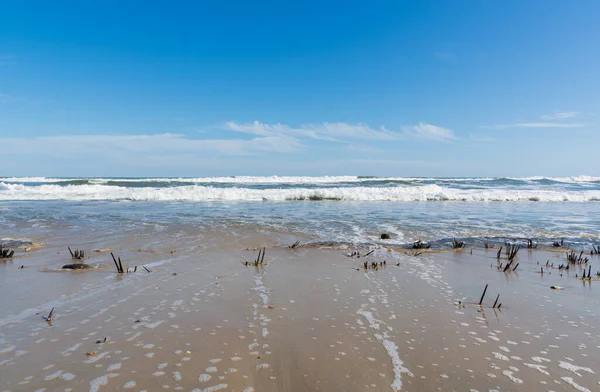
400 88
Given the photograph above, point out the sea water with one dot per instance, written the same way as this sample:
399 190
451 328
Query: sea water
346 209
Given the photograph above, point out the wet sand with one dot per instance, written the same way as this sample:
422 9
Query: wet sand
310 319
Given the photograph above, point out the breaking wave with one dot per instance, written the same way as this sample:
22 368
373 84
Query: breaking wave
430 192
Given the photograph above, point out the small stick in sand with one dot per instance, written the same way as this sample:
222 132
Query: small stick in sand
146 268
483 295
49 318
116 263
496 301
294 245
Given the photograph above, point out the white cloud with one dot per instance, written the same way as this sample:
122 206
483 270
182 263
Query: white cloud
333 132
353 131
264 147
559 116
342 132
431 132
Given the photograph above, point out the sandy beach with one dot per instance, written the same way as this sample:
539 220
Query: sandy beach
311 318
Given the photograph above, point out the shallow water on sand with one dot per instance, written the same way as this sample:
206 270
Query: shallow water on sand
310 319
359 222
193 316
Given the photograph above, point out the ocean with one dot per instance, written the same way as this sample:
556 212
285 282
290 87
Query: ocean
336 209
192 308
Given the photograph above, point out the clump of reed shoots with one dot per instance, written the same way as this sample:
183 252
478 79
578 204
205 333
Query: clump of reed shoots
557 244
589 274
78 254
420 245
595 250
511 251
6 253
374 265
358 255
531 244
457 244
260 259
573 258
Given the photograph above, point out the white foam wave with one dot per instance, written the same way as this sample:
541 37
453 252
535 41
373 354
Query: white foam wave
208 193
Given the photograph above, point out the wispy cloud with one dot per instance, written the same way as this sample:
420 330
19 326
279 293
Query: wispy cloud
333 132
340 132
559 116
268 146
431 132
555 120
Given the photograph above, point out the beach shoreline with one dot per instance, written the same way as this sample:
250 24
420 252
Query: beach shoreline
310 318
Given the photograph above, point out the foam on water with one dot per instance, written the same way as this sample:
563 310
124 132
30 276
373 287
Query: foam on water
96 383
429 192
509 374
574 368
204 377
211 389
397 363
539 368
569 380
